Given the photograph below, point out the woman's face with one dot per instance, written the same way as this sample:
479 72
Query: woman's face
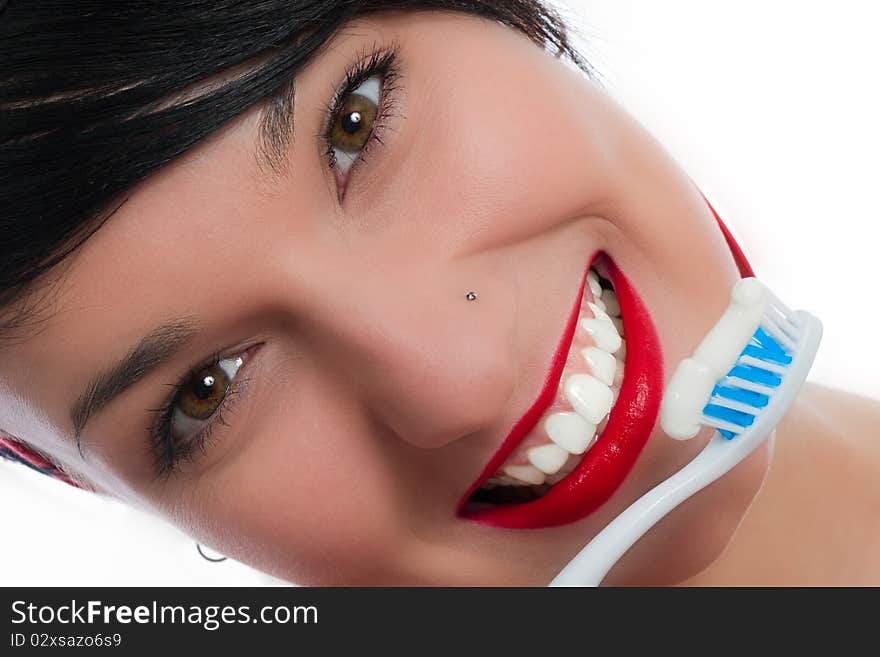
368 393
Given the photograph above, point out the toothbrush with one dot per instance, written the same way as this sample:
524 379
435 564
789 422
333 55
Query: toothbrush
741 380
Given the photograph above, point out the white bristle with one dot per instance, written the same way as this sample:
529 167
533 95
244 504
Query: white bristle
785 324
734 405
737 382
721 424
777 334
762 364
777 303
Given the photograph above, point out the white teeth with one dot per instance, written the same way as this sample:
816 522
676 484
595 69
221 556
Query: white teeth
570 431
602 364
598 313
528 474
554 479
618 373
612 305
593 282
549 458
590 398
604 334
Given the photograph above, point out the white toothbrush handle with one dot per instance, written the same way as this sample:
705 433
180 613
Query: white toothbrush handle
594 561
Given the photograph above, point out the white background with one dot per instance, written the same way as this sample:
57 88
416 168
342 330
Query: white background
771 107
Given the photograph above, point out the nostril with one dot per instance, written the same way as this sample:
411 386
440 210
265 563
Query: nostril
449 410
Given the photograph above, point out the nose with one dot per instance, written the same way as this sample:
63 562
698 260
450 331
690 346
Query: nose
430 363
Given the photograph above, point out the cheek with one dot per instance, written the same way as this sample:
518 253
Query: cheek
309 497
661 232
739 256
497 163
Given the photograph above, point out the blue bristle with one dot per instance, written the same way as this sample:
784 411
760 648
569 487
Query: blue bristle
759 352
763 346
728 415
749 397
756 375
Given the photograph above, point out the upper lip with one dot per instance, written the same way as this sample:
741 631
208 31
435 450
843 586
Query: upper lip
630 423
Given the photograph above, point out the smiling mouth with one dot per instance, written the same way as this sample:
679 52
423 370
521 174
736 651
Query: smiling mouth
576 444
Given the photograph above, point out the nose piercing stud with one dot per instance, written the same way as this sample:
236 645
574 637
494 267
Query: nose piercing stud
471 296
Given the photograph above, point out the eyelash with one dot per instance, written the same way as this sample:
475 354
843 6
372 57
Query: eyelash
169 457
384 61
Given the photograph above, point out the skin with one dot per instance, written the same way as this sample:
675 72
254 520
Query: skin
378 393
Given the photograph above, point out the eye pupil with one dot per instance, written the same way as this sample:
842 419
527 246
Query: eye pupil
203 389
351 122
354 124
204 392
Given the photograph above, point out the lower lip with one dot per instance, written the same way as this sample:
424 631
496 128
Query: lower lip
606 464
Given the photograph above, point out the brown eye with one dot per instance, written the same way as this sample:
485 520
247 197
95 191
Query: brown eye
201 395
354 123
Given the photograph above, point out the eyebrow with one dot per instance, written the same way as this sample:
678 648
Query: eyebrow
275 132
153 349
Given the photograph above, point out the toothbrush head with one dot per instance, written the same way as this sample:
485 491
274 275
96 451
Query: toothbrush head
759 350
